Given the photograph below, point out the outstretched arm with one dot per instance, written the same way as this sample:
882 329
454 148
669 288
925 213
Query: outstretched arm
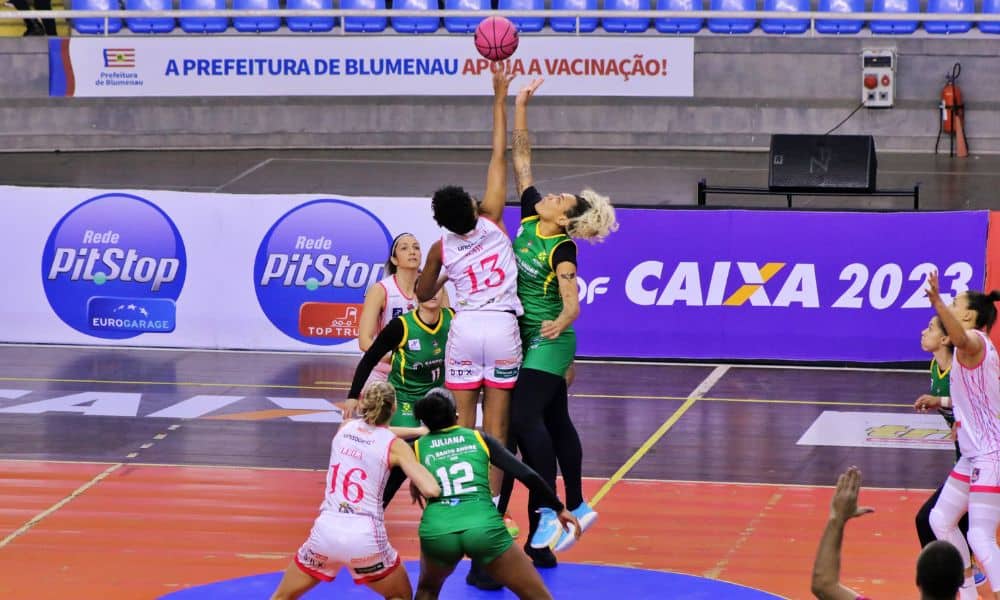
402 456
521 141
428 283
971 346
496 175
844 506
502 459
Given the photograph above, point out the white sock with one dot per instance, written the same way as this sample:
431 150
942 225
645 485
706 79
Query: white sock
496 501
968 590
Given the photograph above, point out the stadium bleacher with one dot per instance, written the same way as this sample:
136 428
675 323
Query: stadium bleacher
784 24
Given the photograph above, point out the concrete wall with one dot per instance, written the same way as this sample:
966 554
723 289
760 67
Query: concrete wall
746 88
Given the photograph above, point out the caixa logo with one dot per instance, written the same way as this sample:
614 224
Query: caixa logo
314 266
114 266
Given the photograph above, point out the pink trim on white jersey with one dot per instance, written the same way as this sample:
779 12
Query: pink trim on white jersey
359 460
975 394
396 302
482 268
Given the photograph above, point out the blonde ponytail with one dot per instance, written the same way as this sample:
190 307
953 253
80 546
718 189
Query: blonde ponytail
377 402
596 221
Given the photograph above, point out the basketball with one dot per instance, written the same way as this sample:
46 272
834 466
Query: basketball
496 38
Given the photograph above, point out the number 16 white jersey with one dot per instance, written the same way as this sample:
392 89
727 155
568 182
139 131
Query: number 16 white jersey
481 266
359 469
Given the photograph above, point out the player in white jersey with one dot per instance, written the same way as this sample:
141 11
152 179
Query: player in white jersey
484 343
390 297
974 484
350 530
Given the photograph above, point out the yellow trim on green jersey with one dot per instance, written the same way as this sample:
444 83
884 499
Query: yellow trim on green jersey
482 442
940 373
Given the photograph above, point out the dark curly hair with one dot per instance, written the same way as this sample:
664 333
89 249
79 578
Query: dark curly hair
454 209
985 307
436 409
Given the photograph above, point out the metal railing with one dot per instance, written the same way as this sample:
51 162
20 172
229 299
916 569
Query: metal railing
811 16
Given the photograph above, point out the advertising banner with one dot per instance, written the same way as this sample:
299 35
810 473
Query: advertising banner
784 285
290 272
363 66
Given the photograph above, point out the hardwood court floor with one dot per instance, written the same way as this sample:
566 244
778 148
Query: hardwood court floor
190 468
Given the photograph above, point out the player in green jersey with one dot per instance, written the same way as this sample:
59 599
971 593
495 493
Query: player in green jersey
463 521
415 342
540 424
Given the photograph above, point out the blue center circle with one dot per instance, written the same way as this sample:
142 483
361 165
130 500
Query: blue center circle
579 582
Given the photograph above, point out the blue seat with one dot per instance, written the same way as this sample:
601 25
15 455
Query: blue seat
95 25
365 24
894 6
256 24
785 26
990 7
464 24
150 25
949 7
415 24
679 25
568 24
838 26
625 25
732 25
204 24
529 24
310 23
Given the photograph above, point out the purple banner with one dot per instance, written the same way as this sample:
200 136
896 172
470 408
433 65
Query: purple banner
731 284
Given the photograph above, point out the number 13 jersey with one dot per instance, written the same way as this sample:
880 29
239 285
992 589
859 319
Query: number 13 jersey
460 461
482 268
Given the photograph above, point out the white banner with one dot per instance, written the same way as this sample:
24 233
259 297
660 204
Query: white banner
175 269
879 430
364 66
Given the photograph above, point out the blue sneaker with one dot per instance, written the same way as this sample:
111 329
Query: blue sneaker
548 530
978 575
586 516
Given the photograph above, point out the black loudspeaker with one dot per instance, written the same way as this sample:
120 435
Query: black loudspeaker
822 163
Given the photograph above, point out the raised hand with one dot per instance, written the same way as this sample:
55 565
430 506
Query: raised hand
527 92
844 505
501 82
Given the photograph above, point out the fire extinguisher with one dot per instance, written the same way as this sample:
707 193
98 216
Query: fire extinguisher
952 113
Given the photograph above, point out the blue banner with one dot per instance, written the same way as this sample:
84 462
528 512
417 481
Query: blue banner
782 285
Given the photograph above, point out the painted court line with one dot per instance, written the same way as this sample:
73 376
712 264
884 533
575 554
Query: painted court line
586 477
45 513
173 383
697 393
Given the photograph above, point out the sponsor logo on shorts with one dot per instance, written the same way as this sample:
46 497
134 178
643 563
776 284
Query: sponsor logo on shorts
975 475
506 373
313 560
370 570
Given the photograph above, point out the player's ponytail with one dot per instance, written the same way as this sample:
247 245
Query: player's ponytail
985 307
593 217
377 402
